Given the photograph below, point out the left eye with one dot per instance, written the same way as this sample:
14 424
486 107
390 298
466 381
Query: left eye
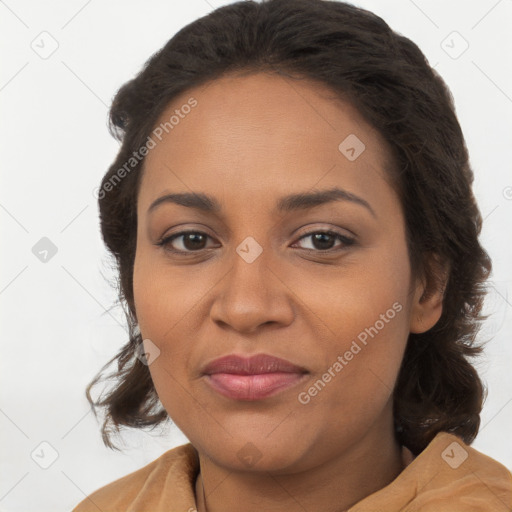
194 241
321 239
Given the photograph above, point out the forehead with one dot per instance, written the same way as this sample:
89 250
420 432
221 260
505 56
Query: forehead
259 133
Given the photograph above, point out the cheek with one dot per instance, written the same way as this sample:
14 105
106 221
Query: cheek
379 304
170 303
163 296
353 297
355 386
161 307
364 311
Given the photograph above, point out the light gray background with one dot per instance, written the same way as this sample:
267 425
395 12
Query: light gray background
56 330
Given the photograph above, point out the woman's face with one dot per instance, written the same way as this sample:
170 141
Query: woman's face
261 275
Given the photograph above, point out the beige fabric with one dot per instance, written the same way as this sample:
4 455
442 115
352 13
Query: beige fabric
448 476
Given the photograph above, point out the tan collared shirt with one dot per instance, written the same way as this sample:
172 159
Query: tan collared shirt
448 476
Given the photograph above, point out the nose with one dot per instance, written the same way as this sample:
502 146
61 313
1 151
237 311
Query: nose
252 294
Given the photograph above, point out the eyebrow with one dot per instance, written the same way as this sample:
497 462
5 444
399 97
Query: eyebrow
290 203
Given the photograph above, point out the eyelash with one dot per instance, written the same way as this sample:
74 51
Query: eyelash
346 241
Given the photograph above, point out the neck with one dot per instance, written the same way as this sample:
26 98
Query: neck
334 486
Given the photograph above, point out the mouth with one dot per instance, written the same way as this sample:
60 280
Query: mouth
252 378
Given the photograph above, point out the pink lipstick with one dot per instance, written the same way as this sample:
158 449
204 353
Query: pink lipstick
253 378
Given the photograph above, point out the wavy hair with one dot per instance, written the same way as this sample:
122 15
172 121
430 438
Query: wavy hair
388 79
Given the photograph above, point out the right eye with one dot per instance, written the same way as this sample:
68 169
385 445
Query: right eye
191 241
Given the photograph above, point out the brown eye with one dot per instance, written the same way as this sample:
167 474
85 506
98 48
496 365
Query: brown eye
324 240
188 241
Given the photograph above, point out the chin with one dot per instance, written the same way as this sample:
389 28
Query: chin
258 453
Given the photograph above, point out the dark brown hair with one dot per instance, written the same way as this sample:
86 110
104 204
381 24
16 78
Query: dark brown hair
387 78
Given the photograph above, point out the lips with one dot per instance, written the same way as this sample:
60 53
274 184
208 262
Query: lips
257 364
252 378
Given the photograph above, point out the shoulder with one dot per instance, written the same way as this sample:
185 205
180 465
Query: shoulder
448 476
172 474
462 477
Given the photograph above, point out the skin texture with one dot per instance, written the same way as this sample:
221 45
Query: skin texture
250 140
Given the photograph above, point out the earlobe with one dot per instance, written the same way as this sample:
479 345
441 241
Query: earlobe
427 303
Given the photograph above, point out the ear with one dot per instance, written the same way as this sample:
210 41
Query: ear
428 295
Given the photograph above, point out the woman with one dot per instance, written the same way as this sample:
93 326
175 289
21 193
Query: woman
297 244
